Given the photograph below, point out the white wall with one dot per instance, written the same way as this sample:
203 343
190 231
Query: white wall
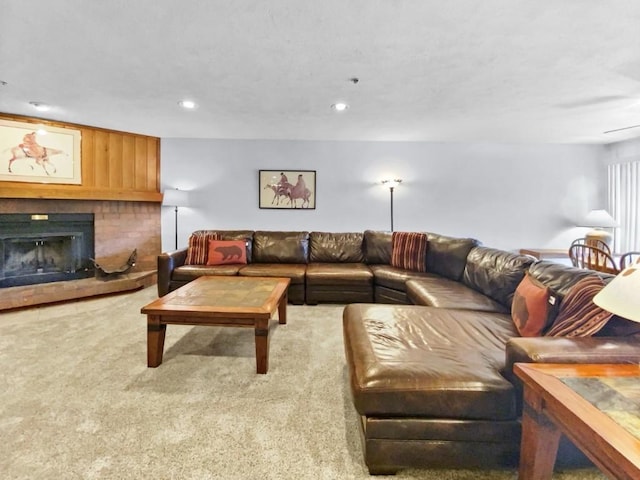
506 195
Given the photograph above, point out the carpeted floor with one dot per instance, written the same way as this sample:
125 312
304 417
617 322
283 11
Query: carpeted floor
77 400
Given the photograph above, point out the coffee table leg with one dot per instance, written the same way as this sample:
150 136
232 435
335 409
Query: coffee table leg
282 309
155 340
539 444
262 345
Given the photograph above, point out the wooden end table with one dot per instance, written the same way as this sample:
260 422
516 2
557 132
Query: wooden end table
219 301
596 406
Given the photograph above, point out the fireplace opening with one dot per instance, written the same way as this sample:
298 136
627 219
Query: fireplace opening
45 248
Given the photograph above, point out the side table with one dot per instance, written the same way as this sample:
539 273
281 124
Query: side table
596 406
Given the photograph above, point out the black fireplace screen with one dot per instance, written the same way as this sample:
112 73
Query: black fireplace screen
45 248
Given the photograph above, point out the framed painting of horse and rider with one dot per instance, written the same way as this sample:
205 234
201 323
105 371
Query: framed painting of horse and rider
287 189
35 153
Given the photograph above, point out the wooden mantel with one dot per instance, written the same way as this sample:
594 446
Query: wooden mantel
115 166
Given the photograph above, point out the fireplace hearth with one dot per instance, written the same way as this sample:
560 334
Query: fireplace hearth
41 248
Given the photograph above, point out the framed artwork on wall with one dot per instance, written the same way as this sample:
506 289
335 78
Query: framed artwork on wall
39 153
287 189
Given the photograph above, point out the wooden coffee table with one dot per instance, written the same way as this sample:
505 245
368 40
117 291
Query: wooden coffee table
223 302
596 406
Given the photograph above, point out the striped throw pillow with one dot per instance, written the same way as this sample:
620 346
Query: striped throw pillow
409 251
578 315
198 250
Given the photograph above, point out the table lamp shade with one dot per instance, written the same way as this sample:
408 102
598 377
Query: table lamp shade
598 219
621 296
175 198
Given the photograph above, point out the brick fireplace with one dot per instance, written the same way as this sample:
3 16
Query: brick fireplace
42 248
119 228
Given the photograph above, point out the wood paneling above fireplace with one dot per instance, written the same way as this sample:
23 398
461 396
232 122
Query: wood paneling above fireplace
115 166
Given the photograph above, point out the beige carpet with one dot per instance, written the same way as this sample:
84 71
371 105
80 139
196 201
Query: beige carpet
78 402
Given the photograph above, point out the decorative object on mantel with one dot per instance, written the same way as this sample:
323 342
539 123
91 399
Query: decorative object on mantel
598 220
392 184
105 274
176 198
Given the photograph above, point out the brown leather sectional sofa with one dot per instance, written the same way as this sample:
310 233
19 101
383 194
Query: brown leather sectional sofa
323 267
432 381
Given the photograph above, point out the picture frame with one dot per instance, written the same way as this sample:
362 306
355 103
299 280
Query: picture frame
36 153
287 189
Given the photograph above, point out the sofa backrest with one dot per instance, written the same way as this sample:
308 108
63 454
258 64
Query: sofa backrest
495 273
244 235
447 256
328 247
560 278
280 247
377 247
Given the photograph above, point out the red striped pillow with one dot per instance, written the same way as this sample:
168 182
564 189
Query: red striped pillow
198 250
409 251
578 315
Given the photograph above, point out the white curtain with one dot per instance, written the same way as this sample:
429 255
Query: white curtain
624 205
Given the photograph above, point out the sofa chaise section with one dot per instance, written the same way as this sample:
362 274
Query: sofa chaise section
428 387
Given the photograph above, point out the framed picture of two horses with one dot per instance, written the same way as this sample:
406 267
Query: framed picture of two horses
287 189
37 153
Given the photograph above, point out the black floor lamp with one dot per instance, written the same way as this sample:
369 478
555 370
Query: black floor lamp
391 184
175 198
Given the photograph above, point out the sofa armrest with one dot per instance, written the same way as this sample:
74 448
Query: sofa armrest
167 262
567 350
572 350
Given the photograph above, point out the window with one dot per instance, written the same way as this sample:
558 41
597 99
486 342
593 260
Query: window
624 204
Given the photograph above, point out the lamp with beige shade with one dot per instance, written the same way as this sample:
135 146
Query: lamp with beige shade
598 220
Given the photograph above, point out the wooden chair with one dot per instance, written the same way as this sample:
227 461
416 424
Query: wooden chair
592 243
592 258
628 258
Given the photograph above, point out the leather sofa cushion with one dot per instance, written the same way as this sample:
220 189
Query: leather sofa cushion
395 278
447 256
339 274
428 362
444 293
186 273
281 247
295 272
335 247
496 273
377 247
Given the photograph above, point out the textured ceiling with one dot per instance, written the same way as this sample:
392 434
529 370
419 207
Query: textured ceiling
442 71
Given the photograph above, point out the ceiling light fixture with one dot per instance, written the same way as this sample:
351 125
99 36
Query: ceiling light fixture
41 107
187 104
340 106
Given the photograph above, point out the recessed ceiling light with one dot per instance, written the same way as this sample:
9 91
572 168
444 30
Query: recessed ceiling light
41 107
187 104
339 107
